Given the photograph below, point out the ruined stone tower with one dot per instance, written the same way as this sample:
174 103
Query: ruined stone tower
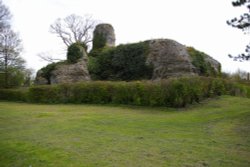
104 35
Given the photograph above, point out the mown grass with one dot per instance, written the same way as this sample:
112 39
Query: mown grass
215 133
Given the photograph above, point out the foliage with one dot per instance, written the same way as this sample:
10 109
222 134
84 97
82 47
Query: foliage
16 78
46 71
199 61
14 95
238 75
45 94
242 23
124 62
172 92
75 52
99 41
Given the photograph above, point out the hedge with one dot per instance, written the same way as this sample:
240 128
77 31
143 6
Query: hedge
172 92
14 95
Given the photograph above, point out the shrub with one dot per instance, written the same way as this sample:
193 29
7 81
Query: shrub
14 95
92 92
75 52
180 92
217 87
15 78
248 91
237 89
44 94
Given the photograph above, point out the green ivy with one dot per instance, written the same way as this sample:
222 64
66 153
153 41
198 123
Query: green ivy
124 62
198 60
99 41
46 71
75 52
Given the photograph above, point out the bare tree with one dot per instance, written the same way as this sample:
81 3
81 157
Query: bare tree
5 16
12 65
73 29
10 48
28 76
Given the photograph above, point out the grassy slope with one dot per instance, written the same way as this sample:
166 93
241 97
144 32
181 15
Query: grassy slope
213 134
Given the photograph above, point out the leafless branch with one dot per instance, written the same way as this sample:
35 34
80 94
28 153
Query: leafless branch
47 57
73 29
5 16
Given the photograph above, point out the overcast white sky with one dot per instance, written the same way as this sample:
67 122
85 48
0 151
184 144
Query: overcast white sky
197 23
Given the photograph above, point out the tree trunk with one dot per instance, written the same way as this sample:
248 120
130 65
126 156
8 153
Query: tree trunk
6 77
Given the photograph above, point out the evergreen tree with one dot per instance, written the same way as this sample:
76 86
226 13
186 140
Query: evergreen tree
243 23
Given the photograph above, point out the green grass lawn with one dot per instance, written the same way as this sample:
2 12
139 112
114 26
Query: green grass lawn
215 133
